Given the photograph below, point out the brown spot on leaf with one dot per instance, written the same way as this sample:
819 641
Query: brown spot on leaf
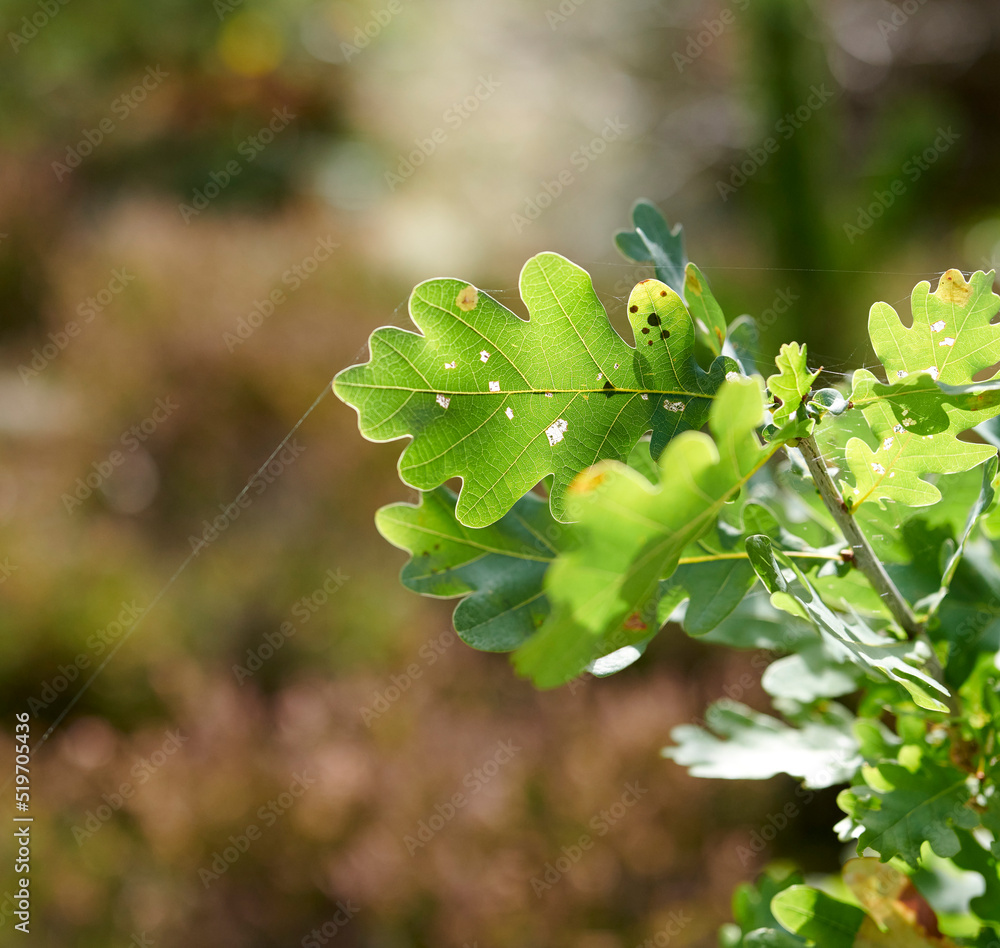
663 292
952 288
633 308
634 623
467 298
645 330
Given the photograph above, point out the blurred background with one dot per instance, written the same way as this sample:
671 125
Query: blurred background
206 206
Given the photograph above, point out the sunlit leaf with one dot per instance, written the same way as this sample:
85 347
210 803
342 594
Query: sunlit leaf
501 402
704 309
927 804
916 421
846 635
631 534
818 917
792 381
741 744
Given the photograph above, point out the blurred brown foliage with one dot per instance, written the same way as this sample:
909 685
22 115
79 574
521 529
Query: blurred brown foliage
112 866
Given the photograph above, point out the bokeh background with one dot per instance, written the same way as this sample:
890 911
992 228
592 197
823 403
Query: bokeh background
164 169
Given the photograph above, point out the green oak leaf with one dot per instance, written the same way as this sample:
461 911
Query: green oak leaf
818 917
756 624
743 343
771 938
631 534
792 381
846 635
715 574
982 503
704 308
973 857
498 569
809 675
923 805
653 241
755 925
951 337
917 423
502 402
742 744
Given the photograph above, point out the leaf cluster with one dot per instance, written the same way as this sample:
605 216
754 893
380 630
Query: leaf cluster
612 487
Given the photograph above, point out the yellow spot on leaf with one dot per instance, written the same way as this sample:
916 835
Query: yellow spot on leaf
693 283
952 288
467 298
586 482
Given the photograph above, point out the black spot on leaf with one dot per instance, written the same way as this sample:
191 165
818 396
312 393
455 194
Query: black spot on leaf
664 333
653 319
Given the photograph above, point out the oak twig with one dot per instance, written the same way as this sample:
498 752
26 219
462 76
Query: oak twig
864 556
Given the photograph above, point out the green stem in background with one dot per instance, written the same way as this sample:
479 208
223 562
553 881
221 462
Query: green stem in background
864 556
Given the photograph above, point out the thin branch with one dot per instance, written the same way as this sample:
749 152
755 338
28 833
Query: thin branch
795 554
864 556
